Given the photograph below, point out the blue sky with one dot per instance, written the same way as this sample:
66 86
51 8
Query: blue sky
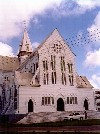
77 21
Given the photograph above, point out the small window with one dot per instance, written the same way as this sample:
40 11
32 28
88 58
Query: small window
15 93
45 80
62 63
70 67
52 100
48 100
15 105
53 62
70 100
67 100
75 100
63 79
44 65
42 100
6 78
71 80
36 65
53 77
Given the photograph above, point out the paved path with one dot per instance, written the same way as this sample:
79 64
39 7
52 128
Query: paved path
94 128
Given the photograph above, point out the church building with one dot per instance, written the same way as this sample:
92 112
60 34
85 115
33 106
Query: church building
44 79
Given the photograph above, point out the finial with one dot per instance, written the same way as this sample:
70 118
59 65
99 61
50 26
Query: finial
24 22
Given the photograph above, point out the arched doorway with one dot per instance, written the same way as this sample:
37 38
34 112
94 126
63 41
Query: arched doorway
30 106
86 105
60 104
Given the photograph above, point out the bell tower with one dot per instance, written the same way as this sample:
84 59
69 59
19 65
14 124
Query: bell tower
25 47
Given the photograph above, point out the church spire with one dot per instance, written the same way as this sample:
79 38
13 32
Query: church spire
25 47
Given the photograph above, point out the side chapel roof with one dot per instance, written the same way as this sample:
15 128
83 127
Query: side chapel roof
8 63
82 82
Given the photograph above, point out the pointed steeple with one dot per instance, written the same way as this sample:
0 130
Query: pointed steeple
25 47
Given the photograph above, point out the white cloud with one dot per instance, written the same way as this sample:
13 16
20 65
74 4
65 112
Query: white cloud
6 50
14 12
88 3
35 45
95 81
75 7
94 30
93 58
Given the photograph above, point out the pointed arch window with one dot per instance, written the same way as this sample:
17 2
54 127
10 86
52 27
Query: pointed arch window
45 65
45 72
53 77
71 80
45 78
62 63
53 62
53 67
63 70
70 67
63 78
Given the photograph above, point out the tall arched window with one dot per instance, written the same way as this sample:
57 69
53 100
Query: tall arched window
70 67
53 67
71 80
63 70
53 77
45 71
53 62
62 63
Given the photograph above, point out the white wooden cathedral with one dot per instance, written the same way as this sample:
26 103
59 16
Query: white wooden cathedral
43 80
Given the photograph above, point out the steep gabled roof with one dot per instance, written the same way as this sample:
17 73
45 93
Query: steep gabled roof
55 31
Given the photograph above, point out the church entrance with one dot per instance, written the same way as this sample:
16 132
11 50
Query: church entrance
86 104
30 106
60 104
